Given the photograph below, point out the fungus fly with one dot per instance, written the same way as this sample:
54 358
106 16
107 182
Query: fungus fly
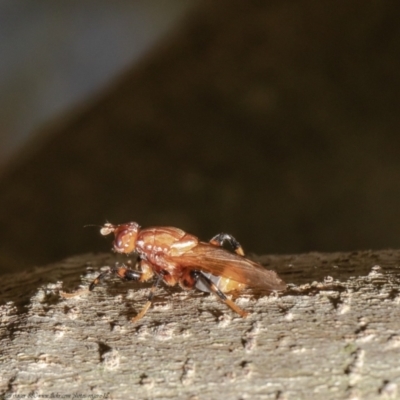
175 257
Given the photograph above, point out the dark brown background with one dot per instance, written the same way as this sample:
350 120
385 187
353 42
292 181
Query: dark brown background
275 121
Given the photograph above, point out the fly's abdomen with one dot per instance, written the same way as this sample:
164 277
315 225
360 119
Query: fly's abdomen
223 284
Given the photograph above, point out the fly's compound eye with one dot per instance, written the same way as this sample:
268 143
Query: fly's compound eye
125 241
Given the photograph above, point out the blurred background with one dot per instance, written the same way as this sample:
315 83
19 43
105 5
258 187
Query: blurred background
275 121
55 55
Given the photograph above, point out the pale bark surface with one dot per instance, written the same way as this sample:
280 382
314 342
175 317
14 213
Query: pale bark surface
335 334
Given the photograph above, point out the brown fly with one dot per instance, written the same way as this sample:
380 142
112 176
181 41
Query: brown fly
176 257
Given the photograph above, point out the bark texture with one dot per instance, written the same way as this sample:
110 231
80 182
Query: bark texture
335 334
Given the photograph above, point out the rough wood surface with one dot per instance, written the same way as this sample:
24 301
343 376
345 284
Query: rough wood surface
335 334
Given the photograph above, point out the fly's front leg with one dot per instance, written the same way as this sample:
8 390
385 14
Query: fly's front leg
122 272
128 274
149 299
218 240
212 287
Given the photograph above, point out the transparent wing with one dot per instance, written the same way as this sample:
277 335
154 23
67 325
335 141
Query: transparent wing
220 262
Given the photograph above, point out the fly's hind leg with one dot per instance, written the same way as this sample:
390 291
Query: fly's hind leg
221 238
199 276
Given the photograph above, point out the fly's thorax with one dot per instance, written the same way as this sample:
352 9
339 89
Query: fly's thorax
166 240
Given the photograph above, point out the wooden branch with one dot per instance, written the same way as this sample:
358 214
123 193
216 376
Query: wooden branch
333 335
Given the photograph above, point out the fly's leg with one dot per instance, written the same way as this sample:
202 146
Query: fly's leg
122 272
199 276
149 299
126 274
218 240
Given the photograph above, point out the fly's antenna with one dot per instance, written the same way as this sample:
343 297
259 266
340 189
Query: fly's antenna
105 229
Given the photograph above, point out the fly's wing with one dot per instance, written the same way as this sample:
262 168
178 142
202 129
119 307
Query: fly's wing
220 262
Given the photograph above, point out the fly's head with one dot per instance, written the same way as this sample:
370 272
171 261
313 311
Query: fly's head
125 236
